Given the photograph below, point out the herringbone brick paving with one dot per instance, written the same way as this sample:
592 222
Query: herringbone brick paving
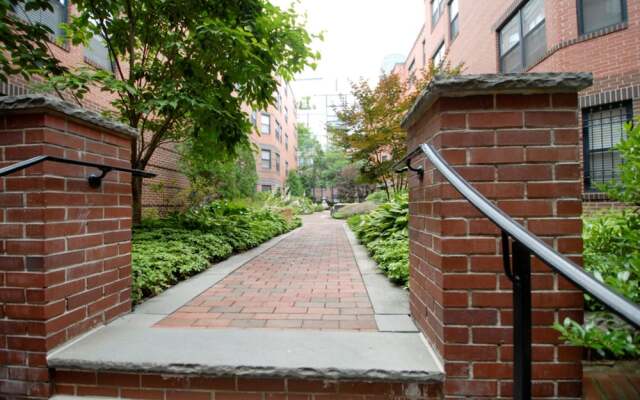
309 280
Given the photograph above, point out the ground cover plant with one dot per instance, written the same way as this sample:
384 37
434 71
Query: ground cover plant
384 232
166 251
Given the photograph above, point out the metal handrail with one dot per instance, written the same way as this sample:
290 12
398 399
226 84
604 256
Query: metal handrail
94 180
518 267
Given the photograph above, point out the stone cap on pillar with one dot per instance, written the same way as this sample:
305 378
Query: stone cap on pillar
43 102
469 85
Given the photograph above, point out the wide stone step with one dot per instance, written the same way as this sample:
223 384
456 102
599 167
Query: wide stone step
135 347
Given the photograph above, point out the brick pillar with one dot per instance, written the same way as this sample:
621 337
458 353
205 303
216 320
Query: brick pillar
65 248
516 139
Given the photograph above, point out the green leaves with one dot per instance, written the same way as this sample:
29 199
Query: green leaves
170 250
384 232
612 254
627 188
604 334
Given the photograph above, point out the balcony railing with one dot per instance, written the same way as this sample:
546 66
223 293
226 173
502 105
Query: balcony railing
517 267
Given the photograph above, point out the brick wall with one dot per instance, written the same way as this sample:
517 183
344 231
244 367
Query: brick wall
65 262
167 386
521 151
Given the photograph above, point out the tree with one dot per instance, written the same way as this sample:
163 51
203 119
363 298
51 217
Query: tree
184 68
24 45
295 185
231 177
369 130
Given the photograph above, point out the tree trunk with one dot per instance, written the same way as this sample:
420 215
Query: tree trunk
136 195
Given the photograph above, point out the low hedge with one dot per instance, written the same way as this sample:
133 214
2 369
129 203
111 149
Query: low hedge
169 250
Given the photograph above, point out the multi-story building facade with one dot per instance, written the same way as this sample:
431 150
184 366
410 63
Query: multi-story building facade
276 138
503 36
163 191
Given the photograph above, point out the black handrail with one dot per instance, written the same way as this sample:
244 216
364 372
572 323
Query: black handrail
94 180
518 269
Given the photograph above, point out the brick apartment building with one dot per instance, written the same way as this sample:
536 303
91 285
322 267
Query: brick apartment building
161 192
502 36
276 137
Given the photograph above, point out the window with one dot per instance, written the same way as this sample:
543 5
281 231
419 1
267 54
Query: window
412 72
97 53
278 162
286 168
266 188
603 128
437 9
594 15
438 56
424 52
265 124
49 18
265 158
286 141
254 118
286 114
454 27
279 101
278 132
523 38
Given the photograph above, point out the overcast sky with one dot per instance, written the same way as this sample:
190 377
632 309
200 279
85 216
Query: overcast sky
359 34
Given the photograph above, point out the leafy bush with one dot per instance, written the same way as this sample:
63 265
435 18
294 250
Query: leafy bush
605 335
384 232
299 204
166 251
612 254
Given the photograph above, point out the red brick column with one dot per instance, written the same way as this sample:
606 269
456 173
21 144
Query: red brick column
65 262
516 139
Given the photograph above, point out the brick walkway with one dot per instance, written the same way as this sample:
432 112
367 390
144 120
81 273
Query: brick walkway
309 280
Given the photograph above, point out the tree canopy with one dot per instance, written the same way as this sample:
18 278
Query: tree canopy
183 69
369 129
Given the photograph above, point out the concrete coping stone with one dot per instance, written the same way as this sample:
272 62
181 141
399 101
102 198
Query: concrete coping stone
257 353
43 102
467 85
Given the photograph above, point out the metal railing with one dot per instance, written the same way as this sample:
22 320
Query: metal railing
517 267
94 180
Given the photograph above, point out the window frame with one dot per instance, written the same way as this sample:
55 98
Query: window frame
64 5
435 17
435 53
262 125
523 57
580 11
277 162
586 153
263 187
262 159
452 37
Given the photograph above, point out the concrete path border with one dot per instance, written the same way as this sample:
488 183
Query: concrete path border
390 302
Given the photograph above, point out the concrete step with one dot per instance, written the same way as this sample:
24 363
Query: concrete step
132 359
132 345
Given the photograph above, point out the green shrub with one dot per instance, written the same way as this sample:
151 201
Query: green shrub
384 232
605 335
612 254
166 251
378 197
